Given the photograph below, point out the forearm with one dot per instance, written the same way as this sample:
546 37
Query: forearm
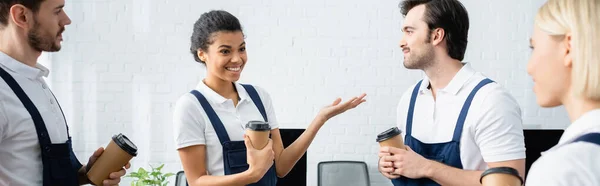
82 176
290 155
446 175
241 179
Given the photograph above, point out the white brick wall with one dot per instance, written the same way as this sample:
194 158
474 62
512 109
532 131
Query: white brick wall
125 62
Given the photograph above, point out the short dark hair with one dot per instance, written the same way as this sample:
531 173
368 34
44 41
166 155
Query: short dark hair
209 23
5 5
449 15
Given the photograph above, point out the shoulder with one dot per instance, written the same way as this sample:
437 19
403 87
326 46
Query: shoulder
264 95
572 164
494 96
407 94
187 101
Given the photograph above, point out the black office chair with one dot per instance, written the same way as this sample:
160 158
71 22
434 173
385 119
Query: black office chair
180 180
343 173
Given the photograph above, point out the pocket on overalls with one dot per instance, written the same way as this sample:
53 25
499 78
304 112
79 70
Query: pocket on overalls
237 160
56 167
60 161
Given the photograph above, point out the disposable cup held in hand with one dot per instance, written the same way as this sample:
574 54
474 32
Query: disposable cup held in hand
258 132
391 138
116 155
501 176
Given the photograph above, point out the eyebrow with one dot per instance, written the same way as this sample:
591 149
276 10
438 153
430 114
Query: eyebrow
60 7
227 46
407 27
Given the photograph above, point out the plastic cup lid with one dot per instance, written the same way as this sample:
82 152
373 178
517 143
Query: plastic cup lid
125 144
389 133
258 126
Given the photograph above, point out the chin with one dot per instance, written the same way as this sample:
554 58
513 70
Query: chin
233 79
548 103
409 65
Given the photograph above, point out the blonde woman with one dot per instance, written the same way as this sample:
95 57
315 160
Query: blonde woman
565 66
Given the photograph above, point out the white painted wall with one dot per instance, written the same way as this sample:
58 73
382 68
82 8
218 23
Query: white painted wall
125 62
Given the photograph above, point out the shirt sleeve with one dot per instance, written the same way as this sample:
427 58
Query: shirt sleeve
572 164
188 121
268 103
499 130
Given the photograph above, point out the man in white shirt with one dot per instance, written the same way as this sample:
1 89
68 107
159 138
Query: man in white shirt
35 146
455 122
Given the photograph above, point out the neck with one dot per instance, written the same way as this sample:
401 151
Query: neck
576 106
441 72
222 87
17 47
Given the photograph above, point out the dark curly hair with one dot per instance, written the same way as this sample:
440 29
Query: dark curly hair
208 24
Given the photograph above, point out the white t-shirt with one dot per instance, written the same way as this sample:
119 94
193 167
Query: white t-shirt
493 128
20 153
570 163
192 126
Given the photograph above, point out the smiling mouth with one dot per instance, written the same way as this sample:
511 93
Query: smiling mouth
233 69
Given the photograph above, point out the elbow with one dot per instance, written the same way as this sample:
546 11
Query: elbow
281 174
195 181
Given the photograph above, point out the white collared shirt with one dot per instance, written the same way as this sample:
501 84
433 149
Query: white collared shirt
20 153
493 128
570 163
192 126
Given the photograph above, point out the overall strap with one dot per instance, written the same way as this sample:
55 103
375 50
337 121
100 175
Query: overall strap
411 108
256 99
213 117
74 161
38 121
465 109
62 112
590 138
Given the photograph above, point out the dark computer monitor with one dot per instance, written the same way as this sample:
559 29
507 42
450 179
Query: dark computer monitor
297 176
537 141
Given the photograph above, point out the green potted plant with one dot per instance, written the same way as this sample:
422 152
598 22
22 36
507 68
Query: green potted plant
154 177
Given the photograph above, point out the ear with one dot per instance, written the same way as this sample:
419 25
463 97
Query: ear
437 36
202 55
568 50
21 16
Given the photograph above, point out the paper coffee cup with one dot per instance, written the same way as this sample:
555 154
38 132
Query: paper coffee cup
391 138
501 176
258 132
115 156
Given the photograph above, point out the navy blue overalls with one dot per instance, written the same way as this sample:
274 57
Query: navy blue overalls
234 152
447 153
593 138
60 165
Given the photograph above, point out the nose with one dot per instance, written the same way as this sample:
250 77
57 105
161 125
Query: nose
67 19
530 66
402 43
236 58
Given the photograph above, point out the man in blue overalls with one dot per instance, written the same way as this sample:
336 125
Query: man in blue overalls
35 146
455 122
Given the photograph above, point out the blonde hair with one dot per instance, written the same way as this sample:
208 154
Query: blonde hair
580 18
